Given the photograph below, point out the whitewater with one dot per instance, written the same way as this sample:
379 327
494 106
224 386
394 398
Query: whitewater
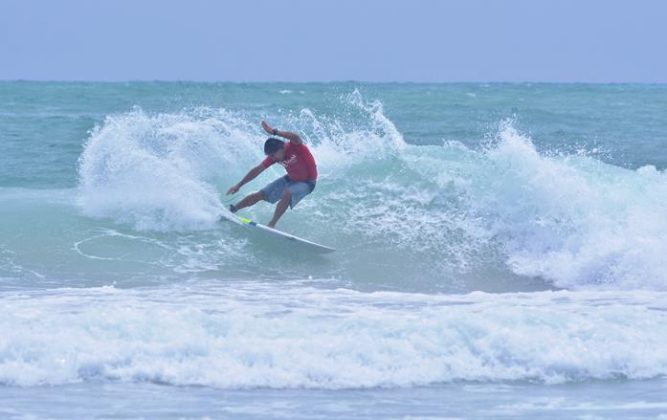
500 250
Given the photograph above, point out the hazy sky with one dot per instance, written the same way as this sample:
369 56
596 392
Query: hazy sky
323 40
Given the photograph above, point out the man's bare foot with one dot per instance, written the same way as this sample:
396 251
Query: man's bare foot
272 224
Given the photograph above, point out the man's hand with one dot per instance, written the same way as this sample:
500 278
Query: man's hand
234 189
292 137
267 127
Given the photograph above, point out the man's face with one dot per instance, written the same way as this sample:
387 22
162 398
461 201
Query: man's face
278 155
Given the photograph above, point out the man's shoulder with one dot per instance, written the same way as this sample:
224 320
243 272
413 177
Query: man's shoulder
297 147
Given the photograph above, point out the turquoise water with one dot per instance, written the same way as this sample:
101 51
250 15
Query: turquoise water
500 252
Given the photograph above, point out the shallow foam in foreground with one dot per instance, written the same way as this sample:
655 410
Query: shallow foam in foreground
291 336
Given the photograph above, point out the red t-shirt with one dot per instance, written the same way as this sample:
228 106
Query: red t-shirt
299 163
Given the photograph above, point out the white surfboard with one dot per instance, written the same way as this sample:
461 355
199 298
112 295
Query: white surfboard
277 233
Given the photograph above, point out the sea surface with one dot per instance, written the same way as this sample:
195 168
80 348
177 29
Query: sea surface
501 252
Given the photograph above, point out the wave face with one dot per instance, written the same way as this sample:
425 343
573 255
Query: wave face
273 336
432 212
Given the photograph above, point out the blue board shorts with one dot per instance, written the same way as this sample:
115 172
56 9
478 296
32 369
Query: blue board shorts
299 189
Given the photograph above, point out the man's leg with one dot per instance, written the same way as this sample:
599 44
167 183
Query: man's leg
281 207
291 196
248 201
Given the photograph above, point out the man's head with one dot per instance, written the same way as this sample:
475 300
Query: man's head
274 148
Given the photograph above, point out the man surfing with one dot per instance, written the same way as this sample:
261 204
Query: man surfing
288 190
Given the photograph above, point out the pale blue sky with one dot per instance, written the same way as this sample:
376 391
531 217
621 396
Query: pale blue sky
324 40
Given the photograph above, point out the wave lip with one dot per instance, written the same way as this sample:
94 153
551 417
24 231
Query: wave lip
573 219
263 336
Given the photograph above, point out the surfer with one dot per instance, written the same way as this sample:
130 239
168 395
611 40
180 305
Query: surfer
288 190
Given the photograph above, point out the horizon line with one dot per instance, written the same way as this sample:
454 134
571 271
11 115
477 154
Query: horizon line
339 81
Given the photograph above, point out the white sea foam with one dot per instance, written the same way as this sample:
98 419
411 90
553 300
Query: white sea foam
158 171
285 337
574 219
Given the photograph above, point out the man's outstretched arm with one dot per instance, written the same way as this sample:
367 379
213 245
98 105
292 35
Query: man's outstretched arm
252 174
292 137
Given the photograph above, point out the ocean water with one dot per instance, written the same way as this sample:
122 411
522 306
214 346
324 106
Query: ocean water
500 252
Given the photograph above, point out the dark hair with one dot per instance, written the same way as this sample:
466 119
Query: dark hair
272 145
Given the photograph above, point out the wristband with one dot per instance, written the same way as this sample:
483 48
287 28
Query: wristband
274 132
